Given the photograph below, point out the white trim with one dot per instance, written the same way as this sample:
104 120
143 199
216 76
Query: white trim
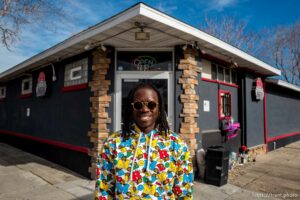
29 90
169 21
72 70
284 84
90 32
144 10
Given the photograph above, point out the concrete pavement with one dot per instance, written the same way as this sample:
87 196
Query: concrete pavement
24 176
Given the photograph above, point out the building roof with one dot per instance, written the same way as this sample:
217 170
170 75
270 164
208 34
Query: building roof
119 30
283 84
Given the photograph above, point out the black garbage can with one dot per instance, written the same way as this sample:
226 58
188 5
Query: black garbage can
216 169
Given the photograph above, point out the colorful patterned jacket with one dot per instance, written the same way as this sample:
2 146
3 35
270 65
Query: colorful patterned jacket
129 169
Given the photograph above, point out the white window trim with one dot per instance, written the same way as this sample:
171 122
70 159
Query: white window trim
3 88
79 68
223 67
29 90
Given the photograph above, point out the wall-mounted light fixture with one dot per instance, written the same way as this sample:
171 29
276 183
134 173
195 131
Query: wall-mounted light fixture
184 47
141 35
103 48
234 64
88 46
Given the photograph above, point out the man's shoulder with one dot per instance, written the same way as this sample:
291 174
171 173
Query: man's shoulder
175 137
114 135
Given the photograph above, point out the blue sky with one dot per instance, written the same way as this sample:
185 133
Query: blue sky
258 13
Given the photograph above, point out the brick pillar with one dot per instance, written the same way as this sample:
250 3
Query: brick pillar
99 102
189 99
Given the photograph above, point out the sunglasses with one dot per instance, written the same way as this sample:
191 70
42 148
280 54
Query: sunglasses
138 105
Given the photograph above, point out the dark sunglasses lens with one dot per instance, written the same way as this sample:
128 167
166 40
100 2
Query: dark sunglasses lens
138 105
151 105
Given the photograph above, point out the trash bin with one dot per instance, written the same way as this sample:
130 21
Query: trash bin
216 170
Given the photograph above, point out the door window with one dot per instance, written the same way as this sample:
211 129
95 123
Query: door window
129 84
144 61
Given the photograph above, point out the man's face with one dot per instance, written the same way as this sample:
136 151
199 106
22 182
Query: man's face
145 118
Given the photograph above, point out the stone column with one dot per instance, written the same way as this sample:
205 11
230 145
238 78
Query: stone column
99 102
189 99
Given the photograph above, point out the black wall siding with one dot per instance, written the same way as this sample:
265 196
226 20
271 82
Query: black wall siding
210 133
208 120
254 115
283 110
59 116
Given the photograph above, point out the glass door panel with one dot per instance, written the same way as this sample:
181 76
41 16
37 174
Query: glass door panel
128 84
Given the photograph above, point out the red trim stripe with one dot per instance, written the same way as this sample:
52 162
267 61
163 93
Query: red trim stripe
74 87
47 141
220 82
25 96
282 136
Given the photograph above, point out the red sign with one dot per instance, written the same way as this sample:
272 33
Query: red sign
259 90
41 86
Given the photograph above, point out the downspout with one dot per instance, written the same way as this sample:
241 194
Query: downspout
265 118
243 111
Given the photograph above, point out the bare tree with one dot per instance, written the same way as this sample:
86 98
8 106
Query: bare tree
15 14
233 31
281 47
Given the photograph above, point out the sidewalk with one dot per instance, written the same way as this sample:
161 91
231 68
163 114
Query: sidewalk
24 176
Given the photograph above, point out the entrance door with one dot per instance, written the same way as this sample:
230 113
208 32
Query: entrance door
126 82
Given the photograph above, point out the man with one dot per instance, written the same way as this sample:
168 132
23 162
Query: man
145 160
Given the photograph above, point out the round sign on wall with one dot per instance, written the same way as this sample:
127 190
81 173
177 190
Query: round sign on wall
41 86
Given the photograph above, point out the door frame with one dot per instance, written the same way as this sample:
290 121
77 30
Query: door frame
168 75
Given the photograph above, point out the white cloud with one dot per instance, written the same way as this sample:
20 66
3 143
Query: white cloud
166 6
220 5
9 59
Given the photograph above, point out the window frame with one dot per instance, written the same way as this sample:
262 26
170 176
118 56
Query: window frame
75 69
222 114
29 90
3 94
224 68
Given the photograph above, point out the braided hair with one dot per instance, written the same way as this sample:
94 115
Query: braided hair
161 122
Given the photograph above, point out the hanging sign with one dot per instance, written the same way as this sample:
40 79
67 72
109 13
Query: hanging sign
41 86
258 89
144 63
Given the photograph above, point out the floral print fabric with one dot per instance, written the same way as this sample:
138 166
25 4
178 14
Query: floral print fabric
145 166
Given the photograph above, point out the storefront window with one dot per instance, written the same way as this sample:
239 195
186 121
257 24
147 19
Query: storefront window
227 75
234 76
223 74
214 75
144 61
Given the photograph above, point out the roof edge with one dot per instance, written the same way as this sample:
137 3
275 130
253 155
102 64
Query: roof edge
84 34
168 20
283 84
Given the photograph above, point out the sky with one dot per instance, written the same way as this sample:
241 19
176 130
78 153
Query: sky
34 38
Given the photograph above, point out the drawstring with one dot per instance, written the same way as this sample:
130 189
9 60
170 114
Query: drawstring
138 144
150 144
132 165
